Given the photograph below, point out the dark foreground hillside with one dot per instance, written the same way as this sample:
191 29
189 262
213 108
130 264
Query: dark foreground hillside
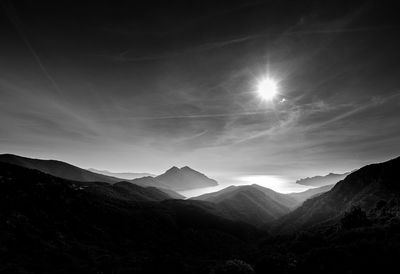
53 225
48 224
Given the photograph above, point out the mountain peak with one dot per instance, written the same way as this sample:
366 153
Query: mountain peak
173 169
184 178
190 170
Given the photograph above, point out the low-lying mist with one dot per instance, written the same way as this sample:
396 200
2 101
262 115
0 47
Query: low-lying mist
276 183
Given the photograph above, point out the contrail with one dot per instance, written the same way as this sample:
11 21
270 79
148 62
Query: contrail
12 15
195 116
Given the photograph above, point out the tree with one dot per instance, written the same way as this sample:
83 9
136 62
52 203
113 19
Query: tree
355 217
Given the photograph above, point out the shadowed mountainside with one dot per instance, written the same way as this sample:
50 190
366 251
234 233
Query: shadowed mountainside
279 198
58 169
128 186
364 188
253 204
310 193
149 181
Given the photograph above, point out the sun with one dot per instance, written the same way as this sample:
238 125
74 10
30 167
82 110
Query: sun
267 88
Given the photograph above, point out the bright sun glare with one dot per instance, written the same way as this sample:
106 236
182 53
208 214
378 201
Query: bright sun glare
267 88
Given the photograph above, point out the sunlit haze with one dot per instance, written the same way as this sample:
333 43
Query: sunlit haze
275 183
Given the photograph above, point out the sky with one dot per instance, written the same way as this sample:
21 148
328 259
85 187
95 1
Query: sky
141 86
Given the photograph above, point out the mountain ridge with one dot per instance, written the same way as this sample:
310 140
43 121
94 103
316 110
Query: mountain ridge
122 175
310 193
322 180
70 172
363 188
250 203
57 168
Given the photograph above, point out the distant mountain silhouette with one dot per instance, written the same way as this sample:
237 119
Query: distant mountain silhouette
122 175
253 204
313 192
57 168
177 179
185 178
365 188
318 181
